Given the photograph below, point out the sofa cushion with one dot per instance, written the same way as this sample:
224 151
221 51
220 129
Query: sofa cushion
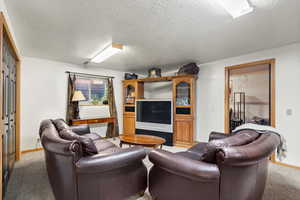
110 151
93 136
81 129
198 149
209 154
241 138
102 145
60 124
88 146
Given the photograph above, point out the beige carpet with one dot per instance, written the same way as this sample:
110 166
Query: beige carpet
30 182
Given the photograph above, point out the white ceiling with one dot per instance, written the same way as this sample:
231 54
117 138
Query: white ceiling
156 32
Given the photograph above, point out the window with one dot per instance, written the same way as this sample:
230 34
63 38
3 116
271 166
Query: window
94 90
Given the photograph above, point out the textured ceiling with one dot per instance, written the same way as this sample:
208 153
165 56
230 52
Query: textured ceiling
156 32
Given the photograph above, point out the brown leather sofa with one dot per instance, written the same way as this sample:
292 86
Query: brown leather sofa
226 168
77 172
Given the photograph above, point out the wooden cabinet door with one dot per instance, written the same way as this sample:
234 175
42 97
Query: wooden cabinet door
184 132
129 125
183 96
183 101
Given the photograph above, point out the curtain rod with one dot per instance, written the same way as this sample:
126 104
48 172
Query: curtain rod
92 75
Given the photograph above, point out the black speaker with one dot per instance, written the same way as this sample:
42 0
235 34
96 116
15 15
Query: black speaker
183 111
129 109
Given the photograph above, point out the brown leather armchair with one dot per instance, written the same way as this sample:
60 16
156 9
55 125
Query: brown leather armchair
231 168
112 173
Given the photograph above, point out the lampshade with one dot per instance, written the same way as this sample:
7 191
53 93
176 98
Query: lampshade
78 96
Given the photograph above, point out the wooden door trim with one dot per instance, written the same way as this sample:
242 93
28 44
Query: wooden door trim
251 64
226 100
1 112
271 62
10 37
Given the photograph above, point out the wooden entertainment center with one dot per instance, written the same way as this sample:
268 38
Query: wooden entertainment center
183 93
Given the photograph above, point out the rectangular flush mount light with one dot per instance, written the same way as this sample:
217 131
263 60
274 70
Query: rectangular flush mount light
109 51
236 8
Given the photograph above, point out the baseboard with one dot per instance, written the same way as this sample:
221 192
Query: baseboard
31 150
183 145
286 165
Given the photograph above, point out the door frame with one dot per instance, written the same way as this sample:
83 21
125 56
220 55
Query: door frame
271 62
5 30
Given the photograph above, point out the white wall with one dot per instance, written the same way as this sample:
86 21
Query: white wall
210 91
44 94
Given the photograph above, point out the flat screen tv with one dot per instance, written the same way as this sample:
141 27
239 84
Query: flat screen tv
154 114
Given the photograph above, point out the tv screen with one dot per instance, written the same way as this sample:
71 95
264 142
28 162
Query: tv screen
154 112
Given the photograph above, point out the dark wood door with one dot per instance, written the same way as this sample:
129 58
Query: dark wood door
9 113
12 113
5 137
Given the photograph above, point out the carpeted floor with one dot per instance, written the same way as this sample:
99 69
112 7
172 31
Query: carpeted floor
30 182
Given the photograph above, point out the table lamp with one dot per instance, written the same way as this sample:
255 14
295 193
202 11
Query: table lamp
78 96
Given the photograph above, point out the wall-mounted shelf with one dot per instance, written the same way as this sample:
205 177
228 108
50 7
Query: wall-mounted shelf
164 78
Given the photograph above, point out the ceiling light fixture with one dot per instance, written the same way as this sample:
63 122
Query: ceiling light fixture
109 51
236 8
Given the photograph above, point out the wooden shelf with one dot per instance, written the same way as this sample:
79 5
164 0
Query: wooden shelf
163 78
183 106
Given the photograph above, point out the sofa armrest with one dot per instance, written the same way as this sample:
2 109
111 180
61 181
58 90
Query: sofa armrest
217 135
100 163
183 166
81 129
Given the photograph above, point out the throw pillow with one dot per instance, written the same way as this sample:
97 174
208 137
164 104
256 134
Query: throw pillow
88 146
209 154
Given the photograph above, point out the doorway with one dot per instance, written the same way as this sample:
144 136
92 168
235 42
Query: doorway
9 105
250 94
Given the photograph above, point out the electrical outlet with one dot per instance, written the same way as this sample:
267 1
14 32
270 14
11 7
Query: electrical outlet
289 112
